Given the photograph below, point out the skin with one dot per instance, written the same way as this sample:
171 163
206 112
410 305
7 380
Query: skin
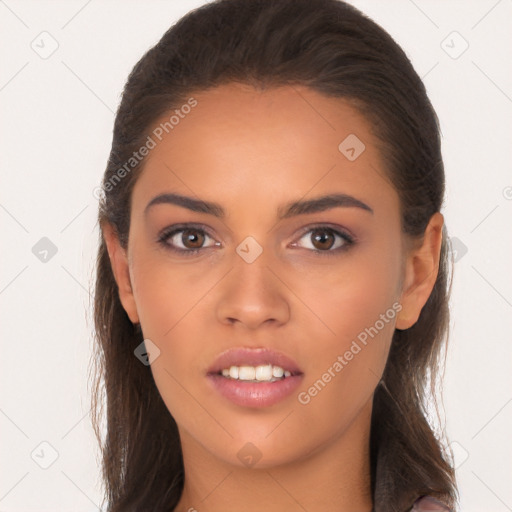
252 152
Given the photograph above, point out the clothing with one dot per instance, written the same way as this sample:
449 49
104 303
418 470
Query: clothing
429 504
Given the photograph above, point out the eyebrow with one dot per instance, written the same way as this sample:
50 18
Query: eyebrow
286 211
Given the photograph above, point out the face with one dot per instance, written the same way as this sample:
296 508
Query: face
322 282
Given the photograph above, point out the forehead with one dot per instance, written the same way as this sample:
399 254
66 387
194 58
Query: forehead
277 143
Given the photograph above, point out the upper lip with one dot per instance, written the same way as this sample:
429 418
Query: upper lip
253 357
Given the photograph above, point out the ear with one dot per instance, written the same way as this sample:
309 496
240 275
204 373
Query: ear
120 268
421 269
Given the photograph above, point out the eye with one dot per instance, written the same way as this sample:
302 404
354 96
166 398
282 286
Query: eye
185 239
324 239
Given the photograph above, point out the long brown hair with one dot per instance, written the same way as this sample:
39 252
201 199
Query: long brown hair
334 49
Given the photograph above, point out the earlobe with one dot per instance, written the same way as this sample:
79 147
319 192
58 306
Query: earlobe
421 270
120 268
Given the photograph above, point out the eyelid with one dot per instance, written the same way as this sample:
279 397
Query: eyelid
182 226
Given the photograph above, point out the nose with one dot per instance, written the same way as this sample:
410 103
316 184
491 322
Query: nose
251 296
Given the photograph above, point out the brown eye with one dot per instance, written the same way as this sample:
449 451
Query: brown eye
186 240
322 239
192 238
325 240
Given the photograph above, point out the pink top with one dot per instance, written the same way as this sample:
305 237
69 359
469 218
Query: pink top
429 504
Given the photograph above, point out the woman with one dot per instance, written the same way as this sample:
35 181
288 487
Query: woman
272 281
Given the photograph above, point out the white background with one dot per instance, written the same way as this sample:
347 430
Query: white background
56 126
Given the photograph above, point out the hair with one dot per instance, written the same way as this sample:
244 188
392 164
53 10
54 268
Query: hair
334 49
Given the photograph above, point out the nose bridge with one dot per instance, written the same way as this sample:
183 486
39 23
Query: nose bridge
251 294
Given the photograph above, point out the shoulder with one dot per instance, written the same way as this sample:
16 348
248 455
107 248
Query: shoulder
429 504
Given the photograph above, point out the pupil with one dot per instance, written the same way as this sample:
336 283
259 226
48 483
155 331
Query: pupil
322 238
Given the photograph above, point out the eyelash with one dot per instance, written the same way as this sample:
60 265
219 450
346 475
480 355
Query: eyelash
167 233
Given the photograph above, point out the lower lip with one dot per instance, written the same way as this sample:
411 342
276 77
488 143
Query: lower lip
253 394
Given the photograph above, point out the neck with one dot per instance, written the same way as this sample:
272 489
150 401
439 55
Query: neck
334 478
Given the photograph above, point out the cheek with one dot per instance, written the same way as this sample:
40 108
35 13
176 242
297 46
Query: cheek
356 307
171 299
350 295
343 375
359 325
166 292
169 303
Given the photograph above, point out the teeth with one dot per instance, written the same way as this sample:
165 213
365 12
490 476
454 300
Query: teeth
277 371
246 373
262 373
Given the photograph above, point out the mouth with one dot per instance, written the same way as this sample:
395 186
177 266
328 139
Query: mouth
254 377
